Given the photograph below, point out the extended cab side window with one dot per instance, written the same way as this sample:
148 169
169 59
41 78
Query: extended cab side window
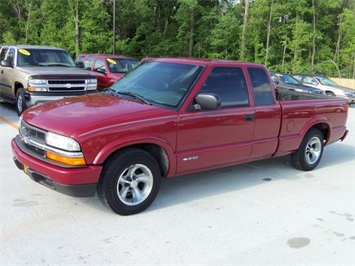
87 63
229 84
263 93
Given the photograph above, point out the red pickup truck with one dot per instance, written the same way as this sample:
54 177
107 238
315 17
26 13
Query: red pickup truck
171 117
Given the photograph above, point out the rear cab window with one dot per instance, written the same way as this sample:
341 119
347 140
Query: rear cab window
262 90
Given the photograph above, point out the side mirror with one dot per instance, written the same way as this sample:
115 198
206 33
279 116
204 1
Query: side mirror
101 70
5 63
79 64
207 101
275 80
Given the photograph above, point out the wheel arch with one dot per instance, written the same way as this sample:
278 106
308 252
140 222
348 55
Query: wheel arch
18 85
324 128
157 151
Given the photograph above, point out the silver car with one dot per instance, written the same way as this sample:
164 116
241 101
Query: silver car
326 84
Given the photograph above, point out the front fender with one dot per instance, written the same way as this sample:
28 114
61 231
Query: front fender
119 144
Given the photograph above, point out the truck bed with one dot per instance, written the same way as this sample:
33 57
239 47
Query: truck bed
288 95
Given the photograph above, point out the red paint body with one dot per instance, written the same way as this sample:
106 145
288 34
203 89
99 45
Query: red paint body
193 141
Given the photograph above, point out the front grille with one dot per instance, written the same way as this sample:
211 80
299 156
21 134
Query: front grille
35 133
30 134
77 81
66 85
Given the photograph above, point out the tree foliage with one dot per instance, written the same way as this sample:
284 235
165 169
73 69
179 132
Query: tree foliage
285 35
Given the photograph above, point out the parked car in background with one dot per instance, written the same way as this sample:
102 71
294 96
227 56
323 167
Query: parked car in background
107 68
288 82
327 85
33 74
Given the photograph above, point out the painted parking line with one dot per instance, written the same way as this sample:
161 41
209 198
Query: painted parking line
9 122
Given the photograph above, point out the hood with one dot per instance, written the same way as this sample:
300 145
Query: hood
80 114
346 89
52 71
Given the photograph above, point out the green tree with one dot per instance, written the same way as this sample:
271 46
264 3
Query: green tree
346 59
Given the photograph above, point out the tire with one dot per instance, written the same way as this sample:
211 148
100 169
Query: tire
330 93
20 101
310 152
129 182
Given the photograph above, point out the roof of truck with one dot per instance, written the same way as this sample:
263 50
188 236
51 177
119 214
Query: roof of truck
26 46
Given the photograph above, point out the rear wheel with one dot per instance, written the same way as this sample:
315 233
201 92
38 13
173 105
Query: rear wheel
129 182
310 152
20 101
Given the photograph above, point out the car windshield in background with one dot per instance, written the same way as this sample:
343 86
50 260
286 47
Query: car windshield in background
121 65
44 57
159 82
326 81
289 80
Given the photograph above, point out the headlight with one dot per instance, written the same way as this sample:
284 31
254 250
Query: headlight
91 84
38 81
71 154
350 93
62 142
37 85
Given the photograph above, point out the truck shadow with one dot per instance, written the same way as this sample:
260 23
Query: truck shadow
188 188
192 187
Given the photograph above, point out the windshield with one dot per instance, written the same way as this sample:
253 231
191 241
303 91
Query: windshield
326 81
44 57
121 65
159 82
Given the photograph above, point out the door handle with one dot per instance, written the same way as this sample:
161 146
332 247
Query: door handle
249 117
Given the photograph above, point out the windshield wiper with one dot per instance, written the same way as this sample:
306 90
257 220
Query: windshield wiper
59 64
135 96
110 91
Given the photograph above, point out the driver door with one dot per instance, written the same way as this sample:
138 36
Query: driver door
215 138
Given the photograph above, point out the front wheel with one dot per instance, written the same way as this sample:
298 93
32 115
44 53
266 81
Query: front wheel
20 101
310 152
129 182
330 93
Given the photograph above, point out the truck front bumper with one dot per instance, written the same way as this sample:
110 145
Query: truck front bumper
76 182
38 98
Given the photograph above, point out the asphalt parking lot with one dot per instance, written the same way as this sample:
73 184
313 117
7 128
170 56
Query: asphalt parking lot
264 213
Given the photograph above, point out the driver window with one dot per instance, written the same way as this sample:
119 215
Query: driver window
229 84
100 65
10 56
308 80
